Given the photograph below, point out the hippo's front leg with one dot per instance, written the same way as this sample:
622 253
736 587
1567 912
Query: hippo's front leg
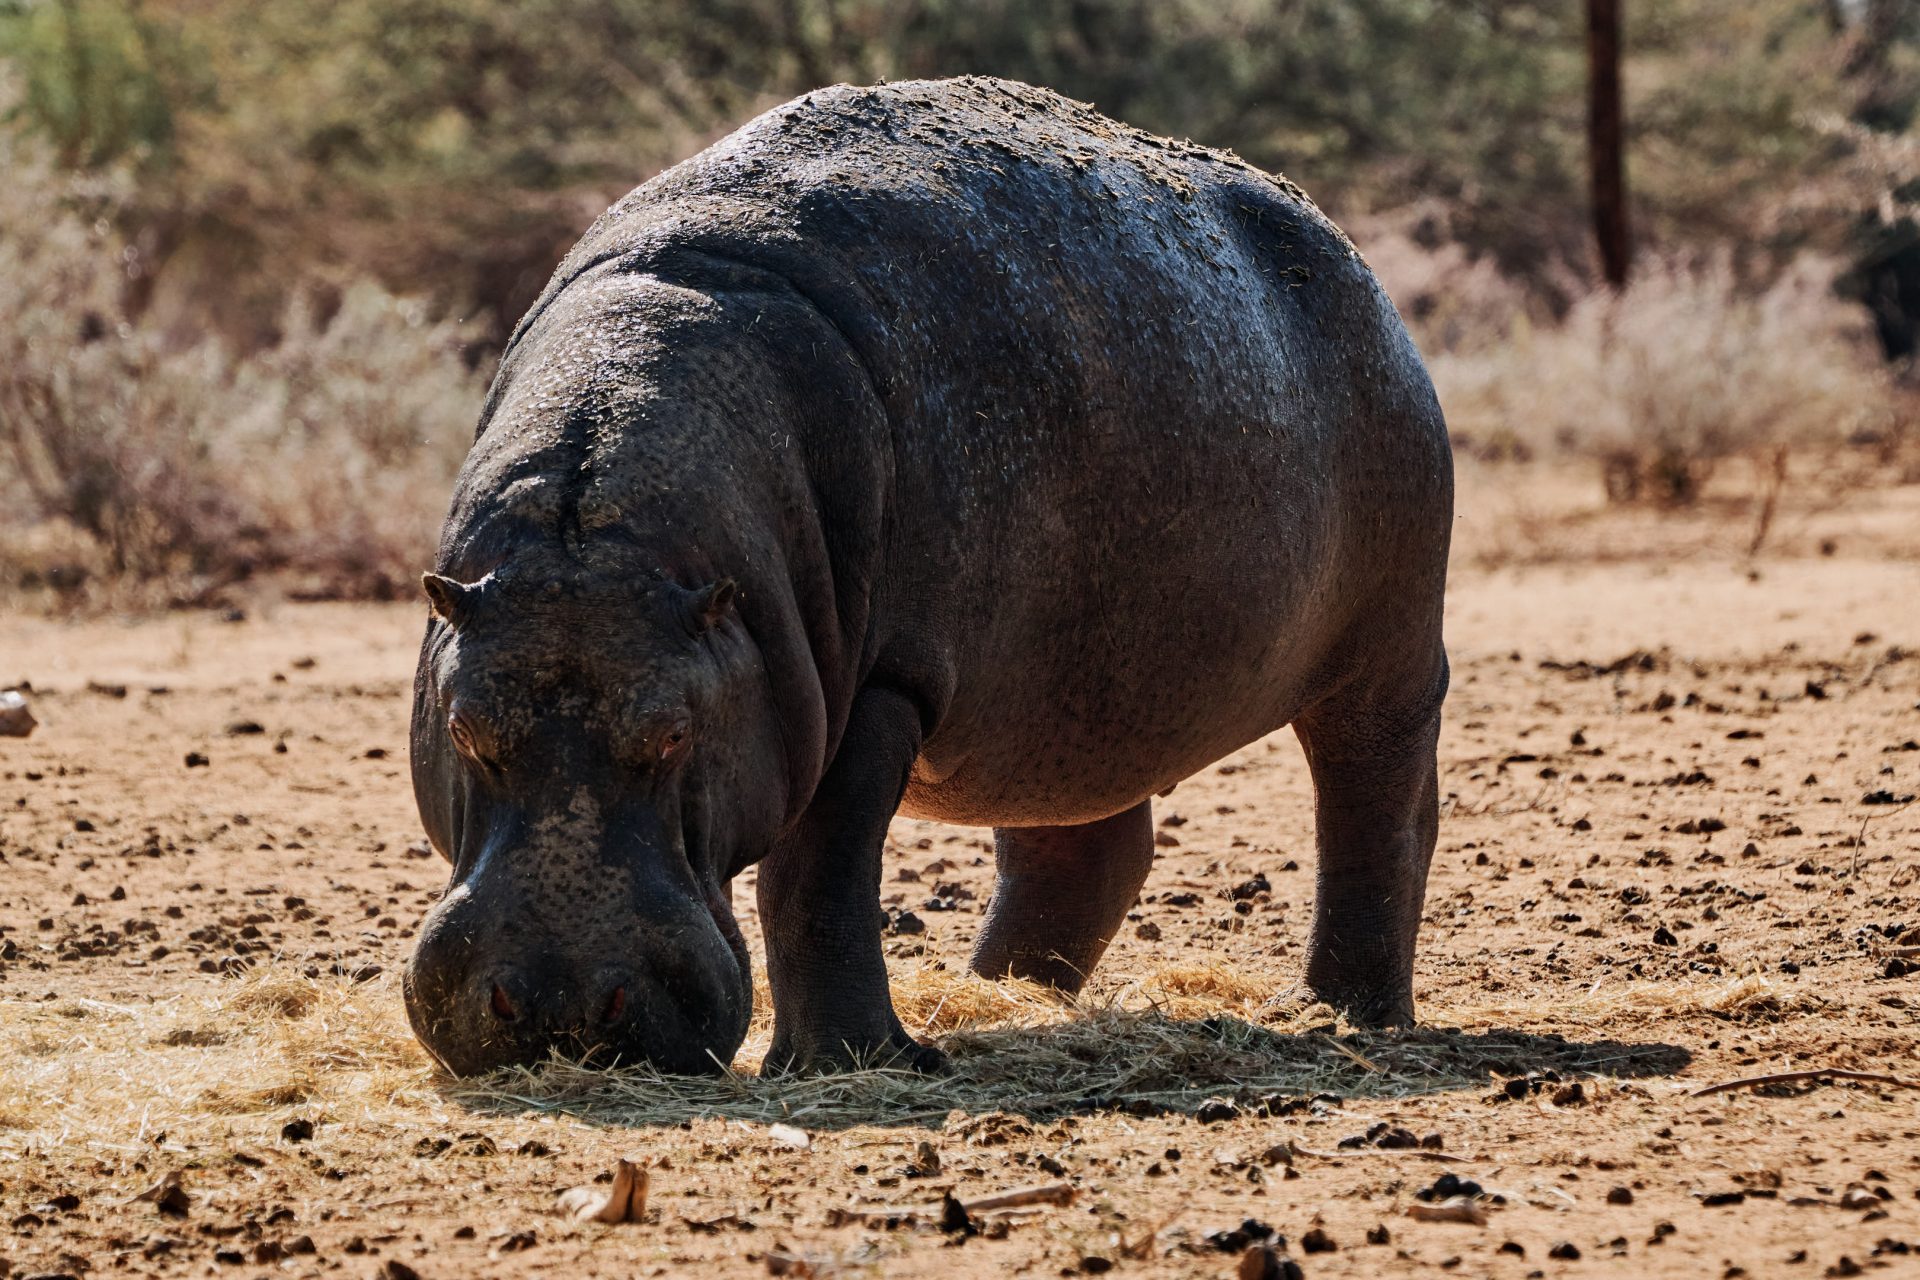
819 898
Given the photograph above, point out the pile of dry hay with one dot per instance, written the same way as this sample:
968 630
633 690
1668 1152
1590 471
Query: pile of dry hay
106 1076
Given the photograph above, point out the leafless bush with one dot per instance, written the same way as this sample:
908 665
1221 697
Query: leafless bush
1679 372
1452 299
328 456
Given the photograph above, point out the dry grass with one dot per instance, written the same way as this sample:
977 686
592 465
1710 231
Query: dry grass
210 1069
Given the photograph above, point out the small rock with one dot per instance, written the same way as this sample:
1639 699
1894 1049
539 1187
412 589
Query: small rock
954 1219
1251 1231
1216 1110
1856 1196
1570 1095
197 760
1317 1240
1620 1195
1251 888
1446 1187
1565 1251
169 1195
16 718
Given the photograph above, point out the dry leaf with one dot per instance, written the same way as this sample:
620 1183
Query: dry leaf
623 1200
1458 1209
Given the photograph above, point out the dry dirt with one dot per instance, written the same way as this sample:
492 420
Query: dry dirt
1678 847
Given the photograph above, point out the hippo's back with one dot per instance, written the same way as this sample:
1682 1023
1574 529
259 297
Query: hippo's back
1162 454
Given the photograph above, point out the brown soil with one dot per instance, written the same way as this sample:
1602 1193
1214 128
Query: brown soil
1678 848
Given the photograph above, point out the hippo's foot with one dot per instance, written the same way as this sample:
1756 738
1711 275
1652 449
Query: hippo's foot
1376 1009
791 1055
1060 895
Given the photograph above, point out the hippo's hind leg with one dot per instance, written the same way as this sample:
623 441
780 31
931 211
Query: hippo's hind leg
819 894
1376 809
1060 894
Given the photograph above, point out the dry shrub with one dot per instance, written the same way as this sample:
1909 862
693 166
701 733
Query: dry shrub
1674 375
1451 299
328 455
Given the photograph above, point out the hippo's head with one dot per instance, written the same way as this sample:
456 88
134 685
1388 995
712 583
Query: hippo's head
593 752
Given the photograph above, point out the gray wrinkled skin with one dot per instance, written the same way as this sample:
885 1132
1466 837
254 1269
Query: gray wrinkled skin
1052 462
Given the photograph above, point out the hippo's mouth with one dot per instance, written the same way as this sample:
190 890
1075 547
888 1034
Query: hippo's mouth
682 1004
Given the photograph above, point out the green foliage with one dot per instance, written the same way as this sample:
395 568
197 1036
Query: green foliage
456 147
100 78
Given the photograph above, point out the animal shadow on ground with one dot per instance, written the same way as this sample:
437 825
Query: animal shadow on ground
1143 1063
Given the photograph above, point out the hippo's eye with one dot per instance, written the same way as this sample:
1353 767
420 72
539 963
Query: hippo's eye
673 741
460 729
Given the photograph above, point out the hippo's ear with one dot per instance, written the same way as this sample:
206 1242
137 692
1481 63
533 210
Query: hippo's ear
711 603
452 601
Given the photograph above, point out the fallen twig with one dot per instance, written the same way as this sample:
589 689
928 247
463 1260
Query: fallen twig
1417 1153
1785 1077
1045 1193
1051 1193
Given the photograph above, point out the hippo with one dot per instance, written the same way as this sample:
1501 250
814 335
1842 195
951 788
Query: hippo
939 448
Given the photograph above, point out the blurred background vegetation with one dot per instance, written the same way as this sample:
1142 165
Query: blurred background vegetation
256 255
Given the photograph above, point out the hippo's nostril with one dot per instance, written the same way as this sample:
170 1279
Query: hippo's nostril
616 1005
503 1004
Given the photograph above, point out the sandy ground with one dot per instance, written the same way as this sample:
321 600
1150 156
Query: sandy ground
1678 847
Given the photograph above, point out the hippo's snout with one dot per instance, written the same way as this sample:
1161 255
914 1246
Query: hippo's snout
483 997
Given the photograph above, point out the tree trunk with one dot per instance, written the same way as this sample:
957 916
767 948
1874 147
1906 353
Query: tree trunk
1605 140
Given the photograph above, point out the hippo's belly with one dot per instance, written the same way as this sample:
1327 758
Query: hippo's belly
1137 659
